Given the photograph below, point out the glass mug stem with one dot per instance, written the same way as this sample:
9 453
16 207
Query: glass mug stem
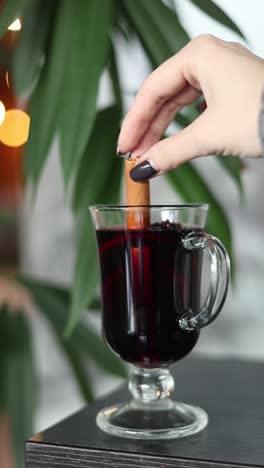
151 385
152 414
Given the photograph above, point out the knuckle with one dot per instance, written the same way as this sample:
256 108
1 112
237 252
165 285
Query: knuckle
205 39
171 164
141 120
205 43
150 92
155 130
171 106
204 48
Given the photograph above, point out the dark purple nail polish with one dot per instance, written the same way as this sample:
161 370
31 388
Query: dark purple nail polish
142 171
123 155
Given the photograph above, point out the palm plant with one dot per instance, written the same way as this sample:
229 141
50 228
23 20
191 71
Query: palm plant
63 49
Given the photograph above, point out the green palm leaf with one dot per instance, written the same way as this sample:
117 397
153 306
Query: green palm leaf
158 27
18 385
45 101
232 165
99 185
79 370
190 185
86 270
54 303
87 46
30 52
97 160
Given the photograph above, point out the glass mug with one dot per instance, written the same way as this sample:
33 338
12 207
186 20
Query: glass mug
158 291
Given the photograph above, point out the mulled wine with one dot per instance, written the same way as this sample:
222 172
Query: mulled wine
149 280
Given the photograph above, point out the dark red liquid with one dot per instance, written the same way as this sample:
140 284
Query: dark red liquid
148 281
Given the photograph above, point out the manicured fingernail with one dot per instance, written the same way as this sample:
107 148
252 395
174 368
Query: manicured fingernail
122 155
142 171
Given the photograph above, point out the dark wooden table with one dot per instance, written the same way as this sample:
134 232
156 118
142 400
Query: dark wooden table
231 392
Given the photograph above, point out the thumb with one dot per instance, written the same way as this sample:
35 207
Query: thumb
189 143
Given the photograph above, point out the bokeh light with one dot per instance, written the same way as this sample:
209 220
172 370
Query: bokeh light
7 79
2 112
15 128
15 26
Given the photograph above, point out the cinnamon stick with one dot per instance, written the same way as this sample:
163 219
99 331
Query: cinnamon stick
137 194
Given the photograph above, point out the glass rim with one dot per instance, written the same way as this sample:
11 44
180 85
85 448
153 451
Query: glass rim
101 207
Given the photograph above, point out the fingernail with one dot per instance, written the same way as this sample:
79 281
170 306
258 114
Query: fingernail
123 155
142 171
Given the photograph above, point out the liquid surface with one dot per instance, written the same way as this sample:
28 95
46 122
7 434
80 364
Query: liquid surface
148 281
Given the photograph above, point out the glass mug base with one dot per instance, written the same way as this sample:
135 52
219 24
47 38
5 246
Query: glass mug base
161 420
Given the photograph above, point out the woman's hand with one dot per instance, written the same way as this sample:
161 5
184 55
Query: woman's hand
230 78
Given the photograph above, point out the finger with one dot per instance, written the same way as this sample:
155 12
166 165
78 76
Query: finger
168 154
161 85
164 117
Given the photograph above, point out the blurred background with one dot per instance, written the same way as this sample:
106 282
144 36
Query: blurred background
38 227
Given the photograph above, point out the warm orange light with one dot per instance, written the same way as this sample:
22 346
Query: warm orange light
15 128
2 112
15 26
7 79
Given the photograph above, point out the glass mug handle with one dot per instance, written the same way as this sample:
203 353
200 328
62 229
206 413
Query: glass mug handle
219 280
